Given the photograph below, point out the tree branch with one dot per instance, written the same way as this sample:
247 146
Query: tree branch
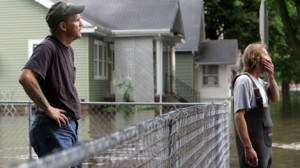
288 28
297 3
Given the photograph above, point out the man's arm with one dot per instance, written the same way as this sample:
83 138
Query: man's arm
242 130
28 79
273 91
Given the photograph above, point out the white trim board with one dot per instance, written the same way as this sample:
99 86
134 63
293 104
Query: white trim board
30 43
139 32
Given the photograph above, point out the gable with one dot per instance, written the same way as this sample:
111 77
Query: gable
191 11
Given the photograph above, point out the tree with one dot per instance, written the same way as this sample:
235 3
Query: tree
239 19
282 46
232 19
289 11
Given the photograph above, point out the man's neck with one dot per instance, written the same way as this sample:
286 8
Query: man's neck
63 39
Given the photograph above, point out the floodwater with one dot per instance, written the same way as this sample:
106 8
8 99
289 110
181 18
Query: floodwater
286 135
14 147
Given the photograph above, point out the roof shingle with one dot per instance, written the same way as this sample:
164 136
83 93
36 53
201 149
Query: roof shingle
217 52
191 11
130 14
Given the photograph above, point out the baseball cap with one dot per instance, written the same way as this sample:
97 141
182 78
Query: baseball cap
60 10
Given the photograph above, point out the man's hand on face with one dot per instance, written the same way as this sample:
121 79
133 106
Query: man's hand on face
251 157
57 115
268 65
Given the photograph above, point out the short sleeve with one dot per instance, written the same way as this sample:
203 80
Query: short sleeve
40 60
241 94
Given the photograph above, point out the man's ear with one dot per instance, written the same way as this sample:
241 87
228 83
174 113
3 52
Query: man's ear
253 65
63 26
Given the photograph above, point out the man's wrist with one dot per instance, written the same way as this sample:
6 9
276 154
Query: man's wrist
271 77
48 109
248 147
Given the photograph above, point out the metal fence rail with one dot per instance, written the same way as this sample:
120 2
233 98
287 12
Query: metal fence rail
187 135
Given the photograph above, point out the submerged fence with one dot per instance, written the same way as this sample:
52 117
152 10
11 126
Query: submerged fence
186 135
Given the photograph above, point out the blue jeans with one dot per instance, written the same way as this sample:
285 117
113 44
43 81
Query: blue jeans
46 137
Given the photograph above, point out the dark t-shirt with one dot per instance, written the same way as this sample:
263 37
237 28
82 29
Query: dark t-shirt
54 63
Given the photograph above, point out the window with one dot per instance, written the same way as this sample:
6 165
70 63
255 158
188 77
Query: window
210 75
100 60
31 45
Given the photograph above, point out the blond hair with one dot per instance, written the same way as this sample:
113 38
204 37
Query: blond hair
252 55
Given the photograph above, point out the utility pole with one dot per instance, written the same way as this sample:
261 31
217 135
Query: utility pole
263 23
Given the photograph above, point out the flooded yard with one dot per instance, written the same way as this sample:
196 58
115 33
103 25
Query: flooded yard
14 132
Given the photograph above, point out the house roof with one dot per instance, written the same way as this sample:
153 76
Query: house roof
191 11
135 16
217 52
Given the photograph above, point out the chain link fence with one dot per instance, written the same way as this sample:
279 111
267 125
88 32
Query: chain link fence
185 135
14 126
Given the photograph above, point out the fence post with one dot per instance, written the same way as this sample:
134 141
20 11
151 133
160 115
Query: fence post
228 108
29 126
171 144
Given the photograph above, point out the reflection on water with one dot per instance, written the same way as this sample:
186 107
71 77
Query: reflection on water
102 123
291 146
286 135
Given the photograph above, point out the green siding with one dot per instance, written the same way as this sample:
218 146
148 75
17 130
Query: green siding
81 50
20 21
98 88
23 20
167 71
184 74
184 68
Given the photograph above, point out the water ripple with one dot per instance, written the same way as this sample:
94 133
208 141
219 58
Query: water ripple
290 146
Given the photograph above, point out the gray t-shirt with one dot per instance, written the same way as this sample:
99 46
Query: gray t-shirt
243 93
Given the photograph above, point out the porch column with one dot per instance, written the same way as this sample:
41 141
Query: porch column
173 62
159 69
168 76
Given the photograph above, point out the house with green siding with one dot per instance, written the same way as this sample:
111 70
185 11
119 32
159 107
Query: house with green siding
193 21
125 44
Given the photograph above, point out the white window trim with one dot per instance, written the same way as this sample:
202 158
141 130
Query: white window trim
204 75
32 42
98 76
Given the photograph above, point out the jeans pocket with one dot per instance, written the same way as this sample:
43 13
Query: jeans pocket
267 133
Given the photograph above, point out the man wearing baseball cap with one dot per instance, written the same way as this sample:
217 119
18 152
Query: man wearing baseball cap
48 78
